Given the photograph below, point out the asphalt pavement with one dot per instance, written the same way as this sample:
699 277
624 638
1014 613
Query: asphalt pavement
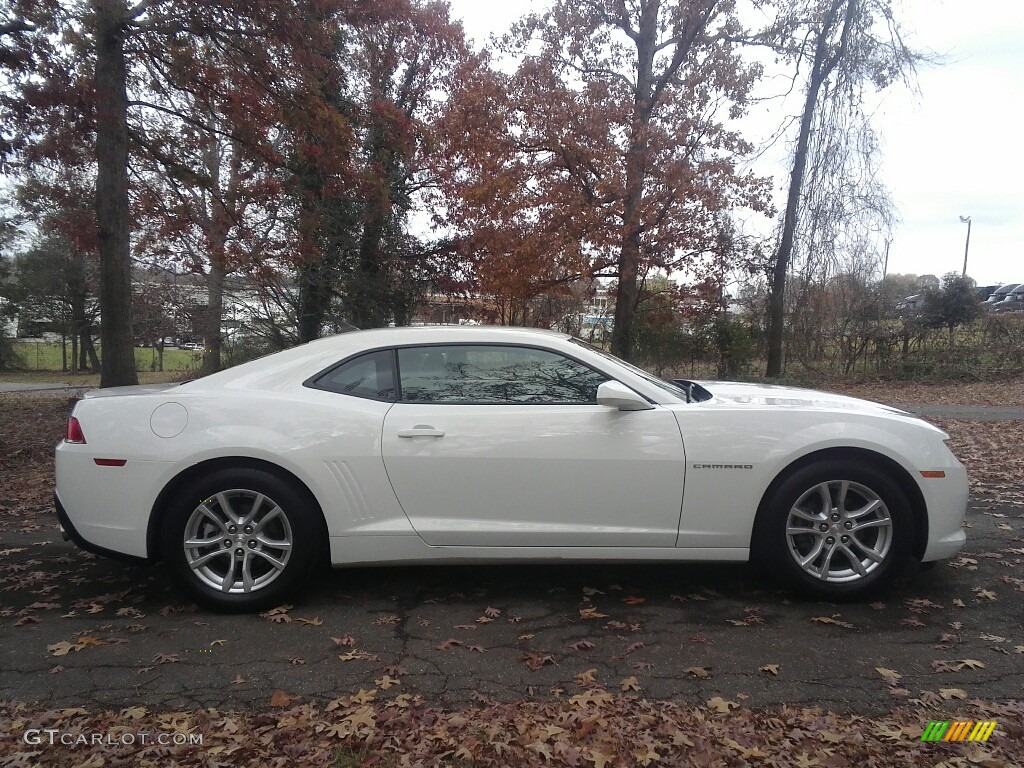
78 630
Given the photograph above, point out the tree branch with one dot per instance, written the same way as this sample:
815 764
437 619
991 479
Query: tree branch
139 8
14 26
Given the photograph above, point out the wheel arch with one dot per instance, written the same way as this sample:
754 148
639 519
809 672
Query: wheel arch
892 468
194 472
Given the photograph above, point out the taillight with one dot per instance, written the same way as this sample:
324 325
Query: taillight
75 433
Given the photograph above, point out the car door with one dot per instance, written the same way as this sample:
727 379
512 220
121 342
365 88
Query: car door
505 445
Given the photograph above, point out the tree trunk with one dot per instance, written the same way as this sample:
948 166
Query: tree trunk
223 199
89 349
118 366
212 318
79 322
636 172
314 300
825 61
367 294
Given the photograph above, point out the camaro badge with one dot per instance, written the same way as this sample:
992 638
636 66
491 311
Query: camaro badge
723 466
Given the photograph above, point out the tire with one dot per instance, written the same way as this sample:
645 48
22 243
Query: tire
242 539
849 551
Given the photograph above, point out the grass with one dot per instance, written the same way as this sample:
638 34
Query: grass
43 363
45 356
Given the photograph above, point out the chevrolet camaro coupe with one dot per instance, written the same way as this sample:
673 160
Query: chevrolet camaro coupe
459 444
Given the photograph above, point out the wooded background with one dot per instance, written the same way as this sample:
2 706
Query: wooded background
346 162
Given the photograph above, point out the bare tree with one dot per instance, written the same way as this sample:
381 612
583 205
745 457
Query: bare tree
841 41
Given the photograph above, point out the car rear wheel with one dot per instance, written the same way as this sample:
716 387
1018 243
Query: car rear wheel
242 539
836 530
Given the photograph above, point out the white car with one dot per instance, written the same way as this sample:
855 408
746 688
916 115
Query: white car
454 444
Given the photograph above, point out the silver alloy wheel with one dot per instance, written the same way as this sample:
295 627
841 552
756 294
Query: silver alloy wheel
839 531
238 541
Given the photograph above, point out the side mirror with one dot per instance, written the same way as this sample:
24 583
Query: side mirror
616 395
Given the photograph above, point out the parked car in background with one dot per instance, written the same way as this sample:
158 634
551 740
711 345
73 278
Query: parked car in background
1012 302
998 295
459 443
912 303
984 291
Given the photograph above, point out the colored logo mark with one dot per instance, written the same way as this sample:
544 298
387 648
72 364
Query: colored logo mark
958 730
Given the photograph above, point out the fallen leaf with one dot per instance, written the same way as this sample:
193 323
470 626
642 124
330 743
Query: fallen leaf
891 676
536 660
646 755
63 648
386 682
718 704
281 699
630 684
364 696
542 749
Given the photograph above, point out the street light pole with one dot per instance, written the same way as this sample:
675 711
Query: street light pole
966 220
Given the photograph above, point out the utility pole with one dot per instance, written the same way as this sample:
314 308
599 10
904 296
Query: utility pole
885 264
966 220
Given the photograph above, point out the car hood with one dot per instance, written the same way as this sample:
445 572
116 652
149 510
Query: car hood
770 395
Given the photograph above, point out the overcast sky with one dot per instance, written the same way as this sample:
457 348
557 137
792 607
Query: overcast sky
955 149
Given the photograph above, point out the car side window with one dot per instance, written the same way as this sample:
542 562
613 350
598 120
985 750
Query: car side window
497 374
371 376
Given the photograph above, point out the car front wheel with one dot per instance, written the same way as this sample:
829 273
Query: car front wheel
241 539
836 530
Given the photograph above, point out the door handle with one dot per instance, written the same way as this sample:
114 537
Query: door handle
421 430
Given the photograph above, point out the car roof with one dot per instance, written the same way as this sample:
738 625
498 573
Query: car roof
281 368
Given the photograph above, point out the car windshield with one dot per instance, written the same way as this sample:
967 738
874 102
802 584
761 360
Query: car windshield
672 389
